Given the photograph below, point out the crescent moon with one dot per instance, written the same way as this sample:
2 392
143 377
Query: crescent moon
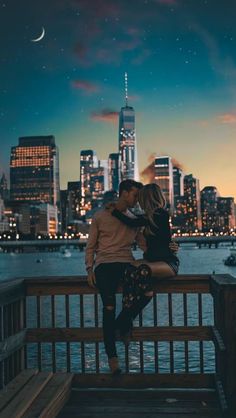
40 37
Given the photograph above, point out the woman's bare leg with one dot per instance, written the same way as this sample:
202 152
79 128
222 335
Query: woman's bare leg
159 268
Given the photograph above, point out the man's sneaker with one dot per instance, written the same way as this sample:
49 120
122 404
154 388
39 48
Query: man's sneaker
114 366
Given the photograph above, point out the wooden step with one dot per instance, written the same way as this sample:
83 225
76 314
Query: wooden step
34 394
24 398
15 386
52 398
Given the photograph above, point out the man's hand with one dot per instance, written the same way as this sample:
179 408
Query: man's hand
174 247
91 278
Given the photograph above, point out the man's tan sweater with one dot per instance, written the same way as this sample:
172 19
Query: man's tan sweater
109 240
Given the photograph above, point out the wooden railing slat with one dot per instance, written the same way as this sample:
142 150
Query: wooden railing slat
93 334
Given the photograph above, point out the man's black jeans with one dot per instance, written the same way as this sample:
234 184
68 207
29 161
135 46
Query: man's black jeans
108 278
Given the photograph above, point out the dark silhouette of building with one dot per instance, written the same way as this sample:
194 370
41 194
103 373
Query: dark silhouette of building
178 183
88 161
4 193
226 213
187 215
114 171
209 208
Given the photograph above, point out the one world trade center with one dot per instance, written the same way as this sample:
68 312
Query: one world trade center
127 140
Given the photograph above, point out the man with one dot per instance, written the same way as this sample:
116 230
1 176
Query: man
109 251
108 255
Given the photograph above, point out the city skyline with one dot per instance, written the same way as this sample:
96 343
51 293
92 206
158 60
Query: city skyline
181 61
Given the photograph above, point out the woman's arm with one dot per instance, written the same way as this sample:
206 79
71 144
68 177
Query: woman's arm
132 222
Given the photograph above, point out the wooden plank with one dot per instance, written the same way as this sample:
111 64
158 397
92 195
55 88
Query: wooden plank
14 387
186 394
224 293
221 395
11 344
193 333
78 285
136 403
141 380
218 340
52 398
21 402
140 410
73 413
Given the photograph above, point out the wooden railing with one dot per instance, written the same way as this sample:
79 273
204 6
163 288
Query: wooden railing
12 330
62 326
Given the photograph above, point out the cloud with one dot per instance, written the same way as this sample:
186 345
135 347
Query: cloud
227 118
85 86
105 115
177 164
148 173
108 30
222 65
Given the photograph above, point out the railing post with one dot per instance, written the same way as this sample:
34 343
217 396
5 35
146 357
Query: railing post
223 288
1 339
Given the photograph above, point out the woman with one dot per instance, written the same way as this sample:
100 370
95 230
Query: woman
157 255
158 258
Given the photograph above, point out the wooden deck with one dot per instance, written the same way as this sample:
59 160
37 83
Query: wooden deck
144 403
44 312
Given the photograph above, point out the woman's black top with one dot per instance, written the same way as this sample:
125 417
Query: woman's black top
158 241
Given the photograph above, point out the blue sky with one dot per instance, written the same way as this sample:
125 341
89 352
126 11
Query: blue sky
180 56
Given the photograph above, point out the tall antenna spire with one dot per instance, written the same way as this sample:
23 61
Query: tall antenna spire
126 89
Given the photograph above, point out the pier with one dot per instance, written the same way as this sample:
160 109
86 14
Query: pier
70 391
56 244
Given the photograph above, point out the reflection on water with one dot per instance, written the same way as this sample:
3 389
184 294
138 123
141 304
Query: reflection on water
192 261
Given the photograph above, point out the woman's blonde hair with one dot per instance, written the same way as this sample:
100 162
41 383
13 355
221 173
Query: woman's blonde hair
151 198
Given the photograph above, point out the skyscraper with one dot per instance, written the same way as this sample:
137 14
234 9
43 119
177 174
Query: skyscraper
88 161
73 200
114 171
164 178
34 170
127 140
3 187
178 182
209 208
226 213
193 207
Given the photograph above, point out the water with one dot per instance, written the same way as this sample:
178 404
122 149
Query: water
192 261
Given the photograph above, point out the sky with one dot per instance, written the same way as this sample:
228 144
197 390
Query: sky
180 56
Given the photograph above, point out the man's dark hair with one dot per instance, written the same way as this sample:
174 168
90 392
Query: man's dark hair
127 185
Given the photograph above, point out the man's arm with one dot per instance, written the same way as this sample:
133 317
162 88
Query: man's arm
90 252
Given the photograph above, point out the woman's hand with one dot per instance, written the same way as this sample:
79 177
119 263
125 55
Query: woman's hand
141 241
174 247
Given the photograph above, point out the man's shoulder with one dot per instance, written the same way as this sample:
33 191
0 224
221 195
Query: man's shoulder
101 213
